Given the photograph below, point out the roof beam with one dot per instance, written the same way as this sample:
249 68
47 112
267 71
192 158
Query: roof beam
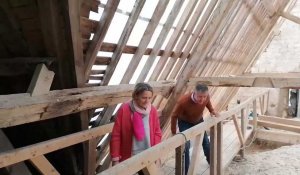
269 82
98 38
18 109
291 17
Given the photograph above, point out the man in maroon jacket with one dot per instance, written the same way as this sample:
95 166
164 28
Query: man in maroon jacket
189 112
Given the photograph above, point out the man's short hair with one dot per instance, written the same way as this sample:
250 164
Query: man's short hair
201 88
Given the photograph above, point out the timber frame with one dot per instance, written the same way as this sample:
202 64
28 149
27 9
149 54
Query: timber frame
65 95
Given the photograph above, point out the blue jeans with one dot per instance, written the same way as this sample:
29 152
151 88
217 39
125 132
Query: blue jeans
205 144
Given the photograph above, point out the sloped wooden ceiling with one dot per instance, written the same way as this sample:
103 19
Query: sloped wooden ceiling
180 39
111 42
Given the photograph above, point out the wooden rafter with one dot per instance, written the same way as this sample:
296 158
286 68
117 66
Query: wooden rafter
161 38
98 38
200 28
172 41
183 39
123 40
157 14
216 24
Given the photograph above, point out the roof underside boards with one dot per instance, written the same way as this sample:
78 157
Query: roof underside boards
128 41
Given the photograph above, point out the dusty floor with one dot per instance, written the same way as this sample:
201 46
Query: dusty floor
282 161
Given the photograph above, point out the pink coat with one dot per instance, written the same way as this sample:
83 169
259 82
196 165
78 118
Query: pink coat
122 133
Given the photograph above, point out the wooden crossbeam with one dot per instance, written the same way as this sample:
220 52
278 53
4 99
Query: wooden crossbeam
291 17
98 38
41 81
277 136
279 126
270 82
279 120
43 165
21 108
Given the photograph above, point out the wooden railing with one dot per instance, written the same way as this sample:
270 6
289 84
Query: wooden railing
146 159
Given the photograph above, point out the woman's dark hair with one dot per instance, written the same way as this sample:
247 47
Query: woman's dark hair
140 88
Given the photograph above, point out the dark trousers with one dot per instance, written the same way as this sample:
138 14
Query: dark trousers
205 144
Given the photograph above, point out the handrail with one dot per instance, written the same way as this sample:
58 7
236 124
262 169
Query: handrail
140 161
152 154
35 150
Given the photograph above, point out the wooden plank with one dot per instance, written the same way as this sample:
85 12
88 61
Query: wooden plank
43 165
196 154
243 130
179 160
298 105
291 17
98 38
41 81
279 120
279 126
277 136
16 169
137 8
110 47
38 149
238 130
220 170
134 62
102 60
21 108
248 82
213 150
254 115
161 38
172 41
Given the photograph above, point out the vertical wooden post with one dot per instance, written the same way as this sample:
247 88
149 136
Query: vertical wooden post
243 126
213 150
219 148
298 104
179 160
254 114
196 154
268 100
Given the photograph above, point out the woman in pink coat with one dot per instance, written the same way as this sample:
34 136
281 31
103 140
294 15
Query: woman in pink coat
136 127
